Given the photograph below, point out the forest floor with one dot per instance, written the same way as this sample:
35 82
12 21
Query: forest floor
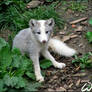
70 78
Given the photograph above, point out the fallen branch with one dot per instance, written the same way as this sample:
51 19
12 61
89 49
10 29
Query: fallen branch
79 20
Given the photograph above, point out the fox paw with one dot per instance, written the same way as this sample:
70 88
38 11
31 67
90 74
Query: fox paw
60 65
40 78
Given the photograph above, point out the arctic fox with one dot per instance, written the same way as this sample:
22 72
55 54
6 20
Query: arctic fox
36 39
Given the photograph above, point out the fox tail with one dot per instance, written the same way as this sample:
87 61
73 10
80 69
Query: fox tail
61 48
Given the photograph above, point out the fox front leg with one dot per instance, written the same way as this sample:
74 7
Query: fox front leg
47 55
37 70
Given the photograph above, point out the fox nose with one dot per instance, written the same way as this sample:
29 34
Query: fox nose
44 41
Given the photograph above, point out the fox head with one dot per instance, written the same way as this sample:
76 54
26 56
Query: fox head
42 29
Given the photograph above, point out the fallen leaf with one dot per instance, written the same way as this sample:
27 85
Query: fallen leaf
77 69
79 74
70 85
55 77
65 38
61 89
49 89
73 36
78 82
48 73
79 28
84 81
62 33
84 23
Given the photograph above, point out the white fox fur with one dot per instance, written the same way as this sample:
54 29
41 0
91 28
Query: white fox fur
35 41
61 48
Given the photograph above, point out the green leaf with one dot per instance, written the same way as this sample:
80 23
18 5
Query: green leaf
14 81
89 36
90 21
32 86
2 43
49 0
21 82
7 80
5 57
74 61
45 64
16 51
2 89
82 65
16 61
31 75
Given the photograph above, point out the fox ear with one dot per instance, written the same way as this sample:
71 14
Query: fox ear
50 22
32 23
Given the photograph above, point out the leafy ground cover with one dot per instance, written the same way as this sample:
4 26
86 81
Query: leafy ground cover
13 68
15 16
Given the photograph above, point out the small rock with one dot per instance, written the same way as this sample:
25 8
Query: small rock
33 4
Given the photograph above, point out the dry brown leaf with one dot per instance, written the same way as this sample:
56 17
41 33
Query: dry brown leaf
48 73
62 33
79 74
78 82
49 89
61 89
66 38
84 81
79 28
70 85
84 23
73 36
77 69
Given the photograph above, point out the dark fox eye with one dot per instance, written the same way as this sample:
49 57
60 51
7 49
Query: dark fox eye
38 32
47 32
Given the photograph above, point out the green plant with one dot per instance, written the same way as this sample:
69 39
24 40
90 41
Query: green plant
49 0
16 71
89 36
15 16
84 62
77 6
90 21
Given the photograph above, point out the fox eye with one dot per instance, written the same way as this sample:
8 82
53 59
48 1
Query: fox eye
47 32
38 32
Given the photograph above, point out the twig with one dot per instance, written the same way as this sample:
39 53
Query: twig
78 20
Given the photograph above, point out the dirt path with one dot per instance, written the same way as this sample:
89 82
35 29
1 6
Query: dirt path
71 78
